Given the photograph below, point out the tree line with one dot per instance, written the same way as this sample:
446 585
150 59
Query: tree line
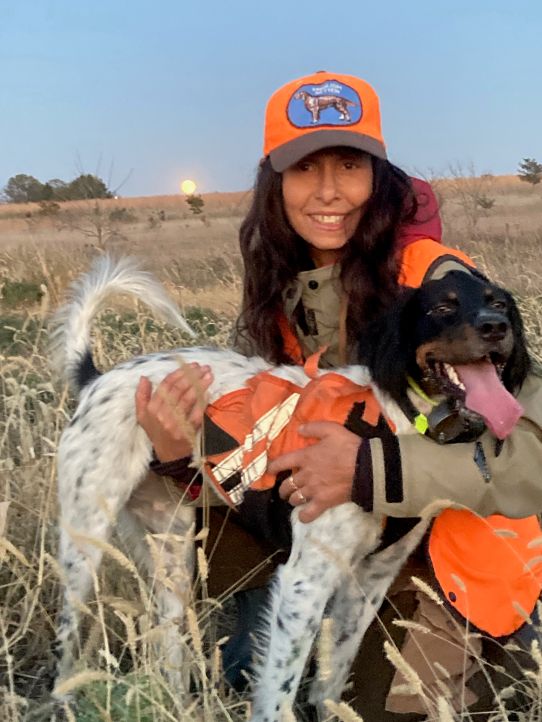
23 188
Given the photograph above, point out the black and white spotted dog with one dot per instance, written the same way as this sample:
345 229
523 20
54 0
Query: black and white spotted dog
104 455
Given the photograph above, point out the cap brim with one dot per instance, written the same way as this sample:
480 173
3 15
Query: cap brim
294 150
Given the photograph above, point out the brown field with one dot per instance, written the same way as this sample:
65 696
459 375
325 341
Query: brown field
189 251
498 221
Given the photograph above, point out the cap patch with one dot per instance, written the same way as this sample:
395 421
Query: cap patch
326 104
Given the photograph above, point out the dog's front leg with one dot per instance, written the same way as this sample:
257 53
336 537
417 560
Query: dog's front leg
350 612
356 604
321 555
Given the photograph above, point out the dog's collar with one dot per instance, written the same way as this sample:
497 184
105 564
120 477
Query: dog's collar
445 423
419 420
420 392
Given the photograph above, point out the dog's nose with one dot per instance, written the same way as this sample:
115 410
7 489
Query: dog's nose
492 326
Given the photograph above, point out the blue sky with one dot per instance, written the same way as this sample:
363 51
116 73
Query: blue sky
162 90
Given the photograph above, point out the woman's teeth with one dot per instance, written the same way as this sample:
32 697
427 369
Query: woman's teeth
328 219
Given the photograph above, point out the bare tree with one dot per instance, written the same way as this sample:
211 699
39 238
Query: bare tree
472 192
94 220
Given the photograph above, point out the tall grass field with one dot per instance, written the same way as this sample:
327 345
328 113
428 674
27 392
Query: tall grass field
498 221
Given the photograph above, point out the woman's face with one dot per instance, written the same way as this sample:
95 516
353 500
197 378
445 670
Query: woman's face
324 197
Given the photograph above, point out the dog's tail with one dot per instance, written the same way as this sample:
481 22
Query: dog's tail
70 348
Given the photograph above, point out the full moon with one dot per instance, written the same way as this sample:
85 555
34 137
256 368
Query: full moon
188 187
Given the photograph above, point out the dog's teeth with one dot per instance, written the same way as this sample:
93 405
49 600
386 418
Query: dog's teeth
452 375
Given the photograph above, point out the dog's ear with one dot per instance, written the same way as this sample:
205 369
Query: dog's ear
385 347
519 363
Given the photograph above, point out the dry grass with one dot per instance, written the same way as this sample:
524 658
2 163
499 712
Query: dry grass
118 624
199 263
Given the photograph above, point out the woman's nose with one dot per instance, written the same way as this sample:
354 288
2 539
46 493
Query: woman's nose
328 187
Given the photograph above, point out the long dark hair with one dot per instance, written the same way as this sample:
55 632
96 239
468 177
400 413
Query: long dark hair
273 254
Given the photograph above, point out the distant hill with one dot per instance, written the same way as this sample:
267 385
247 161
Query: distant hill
235 203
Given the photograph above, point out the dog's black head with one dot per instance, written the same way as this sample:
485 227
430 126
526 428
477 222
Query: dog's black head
461 339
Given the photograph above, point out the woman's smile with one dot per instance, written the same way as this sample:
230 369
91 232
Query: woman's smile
332 222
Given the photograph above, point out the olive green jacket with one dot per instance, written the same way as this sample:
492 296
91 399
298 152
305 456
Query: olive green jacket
485 476
510 484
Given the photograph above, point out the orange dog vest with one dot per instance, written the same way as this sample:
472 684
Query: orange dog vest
259 422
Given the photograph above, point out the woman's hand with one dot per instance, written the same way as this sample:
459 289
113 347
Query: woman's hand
322 474
182 393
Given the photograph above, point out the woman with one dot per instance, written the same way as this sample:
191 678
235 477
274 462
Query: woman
333 232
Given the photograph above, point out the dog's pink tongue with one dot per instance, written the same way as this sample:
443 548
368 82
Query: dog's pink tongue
487 396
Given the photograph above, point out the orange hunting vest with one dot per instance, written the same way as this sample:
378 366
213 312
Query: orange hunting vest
488 569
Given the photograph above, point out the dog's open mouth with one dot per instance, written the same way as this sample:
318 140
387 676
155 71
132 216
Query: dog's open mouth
478 386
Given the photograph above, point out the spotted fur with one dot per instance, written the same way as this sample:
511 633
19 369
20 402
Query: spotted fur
103 480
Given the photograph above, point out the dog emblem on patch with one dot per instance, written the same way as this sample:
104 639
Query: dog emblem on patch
328 103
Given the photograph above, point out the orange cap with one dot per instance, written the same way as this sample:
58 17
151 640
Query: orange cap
321 111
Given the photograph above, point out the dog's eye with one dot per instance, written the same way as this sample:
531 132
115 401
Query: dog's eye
498 305
443 309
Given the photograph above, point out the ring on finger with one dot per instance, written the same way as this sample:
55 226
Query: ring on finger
292 482
302 498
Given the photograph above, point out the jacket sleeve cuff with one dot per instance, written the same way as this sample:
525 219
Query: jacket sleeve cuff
378 474
363 485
